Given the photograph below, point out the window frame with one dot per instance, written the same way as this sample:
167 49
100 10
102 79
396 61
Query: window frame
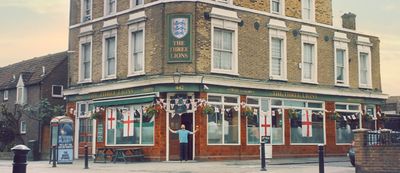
347 110
281 8
278 34
133 4
109 34
311 10
307 39
85 41
259 124
22 127
228 26
84 11
365 50
140 127
21 91
133 28
222 103
55 95
5 95
107 8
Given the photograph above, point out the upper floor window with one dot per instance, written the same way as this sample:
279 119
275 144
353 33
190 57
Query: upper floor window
85 65
5 95
21 92
277 37
341 59
110 7
309 63
277 6
57 91
86 10
135 3
364 62
224 41
308 9
109 57
137 49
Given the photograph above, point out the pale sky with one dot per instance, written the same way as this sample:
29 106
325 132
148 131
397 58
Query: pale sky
31 28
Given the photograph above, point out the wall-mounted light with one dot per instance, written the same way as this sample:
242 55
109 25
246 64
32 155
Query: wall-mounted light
177 77
256 25
241 23
295 32
207 16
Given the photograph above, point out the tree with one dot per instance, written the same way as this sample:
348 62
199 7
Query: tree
9 126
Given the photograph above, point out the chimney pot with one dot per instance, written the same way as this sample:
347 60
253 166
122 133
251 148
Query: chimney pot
349 21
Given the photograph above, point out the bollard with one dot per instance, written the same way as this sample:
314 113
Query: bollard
263 156
54 156
20 153
86 157
321 158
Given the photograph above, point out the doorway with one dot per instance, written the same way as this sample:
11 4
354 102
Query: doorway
175 123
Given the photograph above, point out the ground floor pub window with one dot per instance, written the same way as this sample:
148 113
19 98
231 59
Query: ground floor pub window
223 124
306 122
253 120
277 121
129 124
347 119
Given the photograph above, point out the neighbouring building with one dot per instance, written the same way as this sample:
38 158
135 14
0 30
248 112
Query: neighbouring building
391 110
236 70
28 82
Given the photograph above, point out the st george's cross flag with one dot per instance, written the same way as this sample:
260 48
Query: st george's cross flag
306 124
111 118
127 123
265 123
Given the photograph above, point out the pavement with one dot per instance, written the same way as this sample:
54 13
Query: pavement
284 165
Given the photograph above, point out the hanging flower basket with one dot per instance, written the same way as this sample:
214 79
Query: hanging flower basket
96 116
150 111
292 114
335 116
248 111
208 110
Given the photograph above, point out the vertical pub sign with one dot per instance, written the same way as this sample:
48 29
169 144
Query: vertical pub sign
179 38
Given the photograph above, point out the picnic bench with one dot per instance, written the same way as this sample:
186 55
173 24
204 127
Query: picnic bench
128 154
104 154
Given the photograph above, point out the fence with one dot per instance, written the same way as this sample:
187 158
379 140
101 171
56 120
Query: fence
390 138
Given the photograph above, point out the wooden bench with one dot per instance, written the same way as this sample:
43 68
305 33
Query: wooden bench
126 154
104 154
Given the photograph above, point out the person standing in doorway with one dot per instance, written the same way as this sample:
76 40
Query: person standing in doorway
183 141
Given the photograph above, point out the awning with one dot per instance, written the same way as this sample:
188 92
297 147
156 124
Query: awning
125 101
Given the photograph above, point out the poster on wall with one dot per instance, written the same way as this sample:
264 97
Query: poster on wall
179 38
65 142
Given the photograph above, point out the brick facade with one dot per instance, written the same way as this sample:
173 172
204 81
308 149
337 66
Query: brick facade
253 67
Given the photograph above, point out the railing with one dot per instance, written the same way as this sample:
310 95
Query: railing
382 138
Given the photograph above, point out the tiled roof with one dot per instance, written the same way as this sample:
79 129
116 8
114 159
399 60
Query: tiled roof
31 70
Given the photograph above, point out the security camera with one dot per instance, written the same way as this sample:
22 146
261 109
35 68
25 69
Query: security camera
205 87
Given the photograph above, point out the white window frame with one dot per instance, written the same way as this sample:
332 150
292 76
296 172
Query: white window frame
55 95
229 26
307 39
281 7
223 118
135 27
365 50
83 41
312 10
22 127
106 35
85 17
133 3
21 88
5 95
347 110
283 118
278 34
107 9
259 127
340 44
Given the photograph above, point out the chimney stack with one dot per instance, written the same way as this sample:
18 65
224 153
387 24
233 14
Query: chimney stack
349 21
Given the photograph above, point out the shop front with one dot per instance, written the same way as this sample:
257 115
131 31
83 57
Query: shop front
231 121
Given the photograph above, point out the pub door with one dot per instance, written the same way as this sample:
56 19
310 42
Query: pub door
175 122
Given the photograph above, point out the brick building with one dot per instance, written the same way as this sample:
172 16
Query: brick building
259 68
29 82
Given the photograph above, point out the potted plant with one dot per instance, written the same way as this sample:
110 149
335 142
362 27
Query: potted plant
96 116
208 110
292 114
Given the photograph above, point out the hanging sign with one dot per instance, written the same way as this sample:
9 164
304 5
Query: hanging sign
179 38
